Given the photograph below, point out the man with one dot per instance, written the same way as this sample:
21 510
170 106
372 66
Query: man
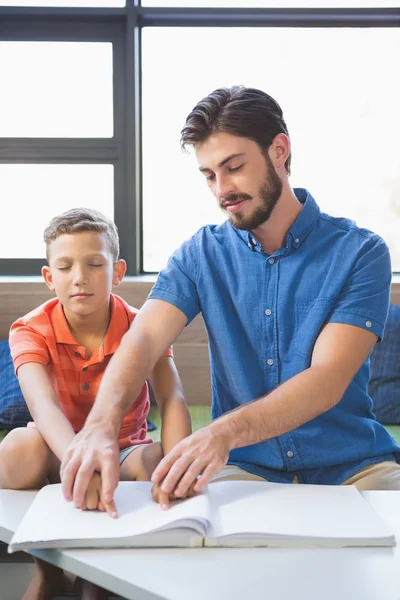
293 301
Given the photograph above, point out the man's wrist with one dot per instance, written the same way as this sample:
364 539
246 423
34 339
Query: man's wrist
222 428
107 423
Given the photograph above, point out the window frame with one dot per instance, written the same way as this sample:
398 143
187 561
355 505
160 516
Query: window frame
123 28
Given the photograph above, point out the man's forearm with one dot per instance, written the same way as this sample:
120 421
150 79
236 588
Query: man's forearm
289 406
122 382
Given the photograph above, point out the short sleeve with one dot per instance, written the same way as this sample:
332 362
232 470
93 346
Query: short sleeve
27 345
365 296
176 284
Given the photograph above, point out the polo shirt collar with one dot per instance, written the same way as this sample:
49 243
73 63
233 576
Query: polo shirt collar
118 326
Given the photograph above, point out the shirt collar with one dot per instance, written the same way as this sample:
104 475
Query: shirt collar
299 229
306 219
118 326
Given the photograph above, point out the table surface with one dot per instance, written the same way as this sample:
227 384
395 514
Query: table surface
234 573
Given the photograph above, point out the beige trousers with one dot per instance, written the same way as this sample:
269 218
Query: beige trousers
381 476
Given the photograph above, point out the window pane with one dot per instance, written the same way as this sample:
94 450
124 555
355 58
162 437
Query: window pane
112 3
340 100
275 3
56 89
33 194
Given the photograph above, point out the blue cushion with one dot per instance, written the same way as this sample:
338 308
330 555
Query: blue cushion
384 385
13 409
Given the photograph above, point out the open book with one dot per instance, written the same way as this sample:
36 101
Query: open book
230 513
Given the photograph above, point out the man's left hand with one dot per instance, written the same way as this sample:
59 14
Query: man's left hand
193 462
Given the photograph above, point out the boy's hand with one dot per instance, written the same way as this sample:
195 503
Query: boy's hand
92 499
164 499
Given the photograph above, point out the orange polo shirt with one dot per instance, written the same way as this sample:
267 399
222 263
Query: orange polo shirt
43 336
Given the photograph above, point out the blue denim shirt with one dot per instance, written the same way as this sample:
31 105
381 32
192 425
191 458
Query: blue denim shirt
263 314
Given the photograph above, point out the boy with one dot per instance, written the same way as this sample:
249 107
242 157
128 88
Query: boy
60 352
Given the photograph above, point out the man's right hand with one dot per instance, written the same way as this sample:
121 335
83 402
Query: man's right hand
95 448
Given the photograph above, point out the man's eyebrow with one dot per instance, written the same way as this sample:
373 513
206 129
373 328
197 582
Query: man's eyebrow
223 162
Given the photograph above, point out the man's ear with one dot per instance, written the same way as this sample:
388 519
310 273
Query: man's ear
279 150
119 271
47 276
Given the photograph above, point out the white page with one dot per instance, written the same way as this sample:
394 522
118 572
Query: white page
50 517
293 510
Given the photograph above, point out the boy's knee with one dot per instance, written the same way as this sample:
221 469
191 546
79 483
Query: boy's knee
23 456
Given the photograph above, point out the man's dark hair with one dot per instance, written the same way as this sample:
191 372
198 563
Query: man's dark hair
241 111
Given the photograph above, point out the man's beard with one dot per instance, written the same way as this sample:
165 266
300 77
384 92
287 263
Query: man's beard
269 192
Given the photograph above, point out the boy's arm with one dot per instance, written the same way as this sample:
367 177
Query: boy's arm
168 392
44 407
175 418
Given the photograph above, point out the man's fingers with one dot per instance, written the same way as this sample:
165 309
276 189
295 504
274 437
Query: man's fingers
205 478
165 465
176 472
109 477
110 508
82 480
68 474
189 478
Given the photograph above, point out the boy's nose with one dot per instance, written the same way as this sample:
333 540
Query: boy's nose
80 277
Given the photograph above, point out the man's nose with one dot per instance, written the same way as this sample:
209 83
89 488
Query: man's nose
224 188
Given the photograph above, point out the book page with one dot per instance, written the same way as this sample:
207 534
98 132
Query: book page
294 511
51 517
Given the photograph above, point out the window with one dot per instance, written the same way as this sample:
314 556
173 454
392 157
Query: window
95 94
56 89
82 3
34 193
274 3
340 100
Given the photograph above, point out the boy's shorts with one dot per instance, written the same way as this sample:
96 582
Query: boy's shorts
123 454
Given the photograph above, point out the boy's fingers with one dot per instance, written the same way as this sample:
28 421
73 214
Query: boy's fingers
163 500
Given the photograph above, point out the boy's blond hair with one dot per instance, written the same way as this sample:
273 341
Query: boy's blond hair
77 220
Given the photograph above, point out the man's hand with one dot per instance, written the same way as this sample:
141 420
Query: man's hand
192 463
164 499
94 448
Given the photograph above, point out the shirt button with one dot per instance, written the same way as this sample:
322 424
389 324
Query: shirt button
254 241
271 261
290 454
297 240
84 369
368 324
270 362
268 312
77 354
85 386
249 245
